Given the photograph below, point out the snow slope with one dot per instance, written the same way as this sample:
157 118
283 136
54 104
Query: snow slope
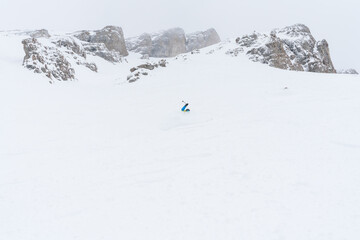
99 158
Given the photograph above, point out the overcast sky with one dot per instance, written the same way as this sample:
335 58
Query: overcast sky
334 20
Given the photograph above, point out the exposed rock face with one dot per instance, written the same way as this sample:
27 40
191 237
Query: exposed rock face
168 43
347 71
141 44
100 50
292 48
171 42
199 40
52 58
55 57
113 38
109 39
273 52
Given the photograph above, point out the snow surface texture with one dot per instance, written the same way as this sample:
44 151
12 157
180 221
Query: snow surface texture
264 154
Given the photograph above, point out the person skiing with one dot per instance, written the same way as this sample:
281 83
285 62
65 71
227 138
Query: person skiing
184 109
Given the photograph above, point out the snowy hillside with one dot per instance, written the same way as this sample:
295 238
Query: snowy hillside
264 154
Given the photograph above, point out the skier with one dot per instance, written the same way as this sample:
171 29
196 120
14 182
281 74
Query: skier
184 109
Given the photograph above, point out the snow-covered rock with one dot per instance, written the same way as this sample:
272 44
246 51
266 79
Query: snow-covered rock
168 43
171 42
109 39
200 39
292 48
143 70
141 44
53 57
347 71
100 50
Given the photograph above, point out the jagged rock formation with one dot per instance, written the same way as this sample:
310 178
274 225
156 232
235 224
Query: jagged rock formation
53 58
292 48
167 43
108 43
347 71
144 69
171 42
203 39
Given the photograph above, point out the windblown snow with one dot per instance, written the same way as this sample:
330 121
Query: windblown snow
264 153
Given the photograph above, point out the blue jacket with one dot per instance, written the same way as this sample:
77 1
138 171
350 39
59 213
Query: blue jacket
184 107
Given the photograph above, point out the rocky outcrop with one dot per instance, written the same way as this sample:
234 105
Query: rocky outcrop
203 39
171 42
292 48
168 43
53 58
56 57
48 61
141 44
271 52
143 70
100 50
108 43
347 71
